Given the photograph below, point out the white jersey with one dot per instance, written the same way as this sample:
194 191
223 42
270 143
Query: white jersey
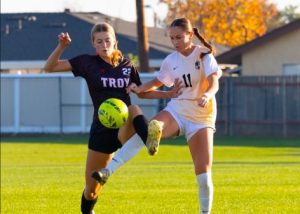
193 72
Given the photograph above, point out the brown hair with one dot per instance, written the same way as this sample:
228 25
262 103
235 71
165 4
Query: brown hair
117 56
186 26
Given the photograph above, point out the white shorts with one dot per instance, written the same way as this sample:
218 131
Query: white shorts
186 127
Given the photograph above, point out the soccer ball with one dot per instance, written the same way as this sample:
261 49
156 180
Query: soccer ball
113 113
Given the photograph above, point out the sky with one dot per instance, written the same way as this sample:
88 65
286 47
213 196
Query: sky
124 9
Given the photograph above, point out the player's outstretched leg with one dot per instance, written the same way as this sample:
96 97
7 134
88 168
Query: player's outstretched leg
101 176
154 134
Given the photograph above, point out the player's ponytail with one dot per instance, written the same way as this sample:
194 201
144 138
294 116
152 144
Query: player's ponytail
204 42
117 56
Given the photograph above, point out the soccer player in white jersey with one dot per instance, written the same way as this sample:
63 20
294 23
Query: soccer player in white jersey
192 114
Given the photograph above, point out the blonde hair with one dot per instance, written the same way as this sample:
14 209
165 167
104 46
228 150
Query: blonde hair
117 56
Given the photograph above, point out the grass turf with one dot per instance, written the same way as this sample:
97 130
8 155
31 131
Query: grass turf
44 174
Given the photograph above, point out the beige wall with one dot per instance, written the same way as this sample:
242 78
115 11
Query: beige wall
268 59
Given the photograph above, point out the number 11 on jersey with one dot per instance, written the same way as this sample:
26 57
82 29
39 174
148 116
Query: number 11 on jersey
187 80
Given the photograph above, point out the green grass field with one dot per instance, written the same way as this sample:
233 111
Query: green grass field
45 174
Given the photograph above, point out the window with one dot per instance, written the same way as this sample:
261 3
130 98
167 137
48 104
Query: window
291 69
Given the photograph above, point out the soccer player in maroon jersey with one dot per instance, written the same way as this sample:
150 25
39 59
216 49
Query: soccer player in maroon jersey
107 75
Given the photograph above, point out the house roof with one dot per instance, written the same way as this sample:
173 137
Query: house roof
32 36
234 56
157 37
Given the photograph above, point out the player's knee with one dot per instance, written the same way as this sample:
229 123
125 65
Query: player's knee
134 110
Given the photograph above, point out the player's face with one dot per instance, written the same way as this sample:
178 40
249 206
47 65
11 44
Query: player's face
181 40
104 43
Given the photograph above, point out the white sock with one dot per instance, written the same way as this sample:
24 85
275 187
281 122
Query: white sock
205 187
127 152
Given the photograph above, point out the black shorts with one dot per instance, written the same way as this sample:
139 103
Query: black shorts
103 139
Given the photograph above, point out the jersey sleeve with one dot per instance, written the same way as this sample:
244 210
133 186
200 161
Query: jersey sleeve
210 65
165 75
78 65
135 76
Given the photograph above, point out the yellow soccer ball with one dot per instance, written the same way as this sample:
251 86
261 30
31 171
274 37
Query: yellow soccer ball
113 113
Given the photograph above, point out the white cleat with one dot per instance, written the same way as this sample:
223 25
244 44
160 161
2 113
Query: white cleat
154 135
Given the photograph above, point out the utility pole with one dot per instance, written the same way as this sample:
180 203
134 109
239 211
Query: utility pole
142 33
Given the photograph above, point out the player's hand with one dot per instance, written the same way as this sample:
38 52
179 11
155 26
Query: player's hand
64 39
202 102
132 88
176 89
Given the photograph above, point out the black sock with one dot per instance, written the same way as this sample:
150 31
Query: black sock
141 127
87 205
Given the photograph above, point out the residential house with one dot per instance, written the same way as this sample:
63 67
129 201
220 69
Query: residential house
27 39
275 53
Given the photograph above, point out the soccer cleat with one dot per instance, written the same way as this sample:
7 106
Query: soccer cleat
154 135
101 176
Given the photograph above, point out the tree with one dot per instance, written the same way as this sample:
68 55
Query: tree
226 22
134 59
287 15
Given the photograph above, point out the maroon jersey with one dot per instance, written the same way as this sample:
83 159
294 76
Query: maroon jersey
105 81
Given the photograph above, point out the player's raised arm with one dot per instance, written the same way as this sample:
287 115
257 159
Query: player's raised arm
54 64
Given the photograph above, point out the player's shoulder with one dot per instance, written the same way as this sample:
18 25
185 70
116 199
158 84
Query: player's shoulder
202 49
86 57
208 56
89 55
83 58
171 57
126 62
